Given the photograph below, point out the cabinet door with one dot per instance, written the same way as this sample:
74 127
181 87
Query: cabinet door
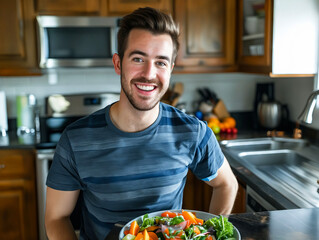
17 41
255 36
122 7
207 38
18 219
240 202
197 194
68 7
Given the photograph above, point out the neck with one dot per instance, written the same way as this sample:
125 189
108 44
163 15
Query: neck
128 119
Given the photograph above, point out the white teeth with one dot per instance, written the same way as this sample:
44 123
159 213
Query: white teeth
145 88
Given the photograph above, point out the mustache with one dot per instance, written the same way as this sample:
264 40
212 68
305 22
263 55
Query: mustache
145 80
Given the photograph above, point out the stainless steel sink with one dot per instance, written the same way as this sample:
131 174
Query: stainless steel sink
291 166
273 157
258 144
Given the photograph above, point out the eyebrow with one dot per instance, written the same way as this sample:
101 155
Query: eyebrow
145 55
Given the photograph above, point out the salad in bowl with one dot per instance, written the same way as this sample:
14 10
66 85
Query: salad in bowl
179 225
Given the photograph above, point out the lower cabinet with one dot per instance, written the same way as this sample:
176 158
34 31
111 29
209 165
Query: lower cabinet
240 202
18 212
197 195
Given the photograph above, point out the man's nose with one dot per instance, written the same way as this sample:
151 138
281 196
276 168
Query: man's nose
149 71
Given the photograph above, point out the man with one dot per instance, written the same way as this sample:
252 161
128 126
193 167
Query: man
132 157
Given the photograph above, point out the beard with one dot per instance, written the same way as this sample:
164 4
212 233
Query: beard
142 103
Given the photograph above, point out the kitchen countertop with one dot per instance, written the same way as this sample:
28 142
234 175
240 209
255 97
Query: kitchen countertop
296 224
12 141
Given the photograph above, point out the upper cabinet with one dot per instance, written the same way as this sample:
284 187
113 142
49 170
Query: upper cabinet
207 38
70 7
279 38
123 7
295 37
276 38
255 36
17 41
98 7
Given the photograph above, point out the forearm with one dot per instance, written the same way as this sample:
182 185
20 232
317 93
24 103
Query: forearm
223 198
60 229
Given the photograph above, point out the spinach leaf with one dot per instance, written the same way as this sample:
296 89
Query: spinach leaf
176 220
224 229
147 222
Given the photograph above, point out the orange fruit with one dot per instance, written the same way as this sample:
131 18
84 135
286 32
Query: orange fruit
231 122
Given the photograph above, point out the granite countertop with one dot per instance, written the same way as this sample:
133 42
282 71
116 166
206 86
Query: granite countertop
12 141
296 224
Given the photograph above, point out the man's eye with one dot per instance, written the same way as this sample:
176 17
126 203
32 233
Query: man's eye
137 59
161 64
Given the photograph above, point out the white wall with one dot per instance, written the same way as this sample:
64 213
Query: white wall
237 90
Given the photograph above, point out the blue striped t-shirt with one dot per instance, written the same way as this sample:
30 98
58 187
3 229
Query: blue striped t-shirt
123 175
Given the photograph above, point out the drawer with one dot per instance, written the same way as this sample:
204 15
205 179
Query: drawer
16 163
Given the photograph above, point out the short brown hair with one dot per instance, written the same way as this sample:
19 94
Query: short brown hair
151 20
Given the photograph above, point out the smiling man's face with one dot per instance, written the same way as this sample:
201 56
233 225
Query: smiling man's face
146 68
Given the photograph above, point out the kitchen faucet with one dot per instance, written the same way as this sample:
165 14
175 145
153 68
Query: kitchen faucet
307 112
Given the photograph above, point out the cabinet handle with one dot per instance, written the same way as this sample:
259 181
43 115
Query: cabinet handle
2 166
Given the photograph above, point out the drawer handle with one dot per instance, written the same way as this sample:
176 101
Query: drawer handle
2 166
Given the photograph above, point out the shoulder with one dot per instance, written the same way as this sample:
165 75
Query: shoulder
174 116
94 120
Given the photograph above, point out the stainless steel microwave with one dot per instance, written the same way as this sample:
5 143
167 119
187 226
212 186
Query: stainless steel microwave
76 41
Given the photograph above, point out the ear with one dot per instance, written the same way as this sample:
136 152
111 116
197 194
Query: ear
117 63
173 65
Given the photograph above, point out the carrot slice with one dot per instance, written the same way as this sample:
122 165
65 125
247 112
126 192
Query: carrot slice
166 231
146 236
134 228
209 237
139 236
180 233
199 221
169 214
152 228
188 224
153 236
189 216
126 232
196 230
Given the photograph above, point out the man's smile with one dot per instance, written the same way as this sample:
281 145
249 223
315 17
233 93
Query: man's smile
147 88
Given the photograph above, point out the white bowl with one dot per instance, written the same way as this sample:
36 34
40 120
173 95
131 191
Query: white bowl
199 214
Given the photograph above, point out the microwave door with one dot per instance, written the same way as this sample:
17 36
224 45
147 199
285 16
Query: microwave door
78 45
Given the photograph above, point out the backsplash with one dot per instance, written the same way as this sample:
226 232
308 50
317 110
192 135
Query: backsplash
237 90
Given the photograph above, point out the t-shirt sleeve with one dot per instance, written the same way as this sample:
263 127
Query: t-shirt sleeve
63 174
208 157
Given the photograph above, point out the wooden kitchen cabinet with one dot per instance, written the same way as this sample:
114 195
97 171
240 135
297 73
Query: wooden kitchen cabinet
123 7
240 202
18 212
68 7
207 39
255 36
17 41
98 7
197 195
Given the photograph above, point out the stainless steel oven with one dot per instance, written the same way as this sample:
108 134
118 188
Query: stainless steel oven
44 159
61 110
